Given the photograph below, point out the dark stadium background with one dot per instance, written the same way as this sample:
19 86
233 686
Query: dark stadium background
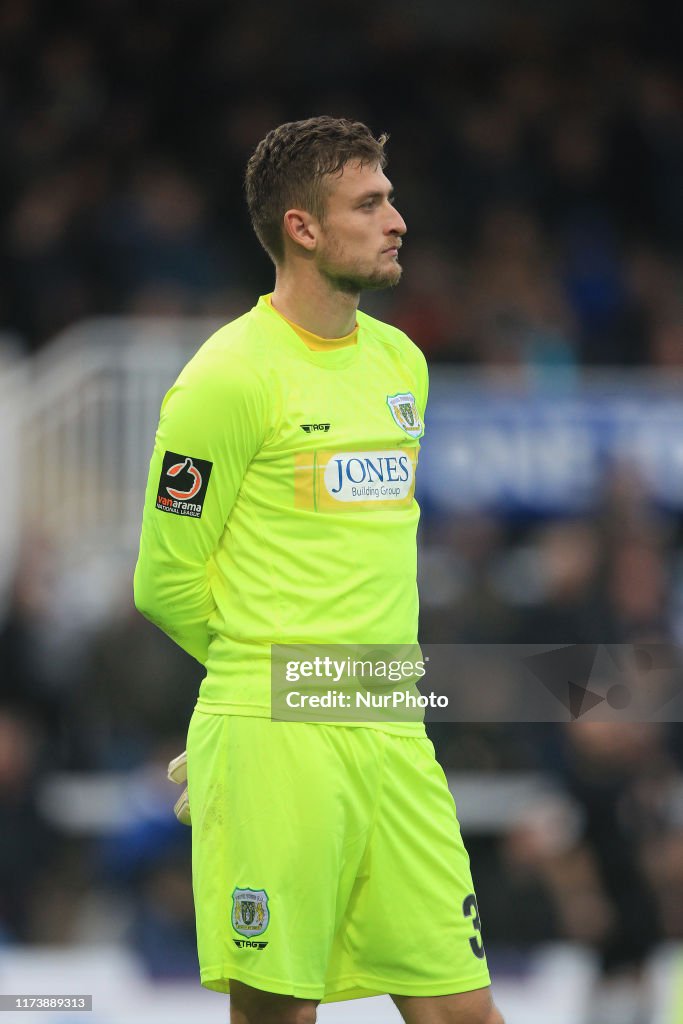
537 154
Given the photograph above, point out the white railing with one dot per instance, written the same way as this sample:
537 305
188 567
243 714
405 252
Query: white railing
88 423
13 389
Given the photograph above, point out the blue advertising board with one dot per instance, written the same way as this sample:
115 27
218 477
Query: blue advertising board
547 453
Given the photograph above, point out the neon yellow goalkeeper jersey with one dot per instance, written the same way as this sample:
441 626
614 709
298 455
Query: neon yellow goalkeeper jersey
280 503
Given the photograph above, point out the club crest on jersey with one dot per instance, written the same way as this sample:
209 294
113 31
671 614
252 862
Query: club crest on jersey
250 914
404 411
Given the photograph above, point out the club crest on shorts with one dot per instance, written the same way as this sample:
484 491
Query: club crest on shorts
250 914
404 411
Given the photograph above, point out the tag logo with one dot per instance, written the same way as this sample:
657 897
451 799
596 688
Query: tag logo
404 411
250 914
182 485
312 428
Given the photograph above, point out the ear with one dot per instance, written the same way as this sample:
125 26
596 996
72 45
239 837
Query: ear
302 228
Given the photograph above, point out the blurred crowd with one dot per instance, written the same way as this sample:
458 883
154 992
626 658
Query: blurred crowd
538 166
539 169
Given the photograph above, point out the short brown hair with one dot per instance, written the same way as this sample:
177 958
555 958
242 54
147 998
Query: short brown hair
288 168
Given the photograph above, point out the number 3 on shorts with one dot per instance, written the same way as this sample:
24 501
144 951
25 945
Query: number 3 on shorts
470 909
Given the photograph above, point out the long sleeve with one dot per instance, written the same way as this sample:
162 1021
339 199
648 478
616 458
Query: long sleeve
213 421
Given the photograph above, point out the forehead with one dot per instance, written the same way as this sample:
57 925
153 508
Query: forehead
356 179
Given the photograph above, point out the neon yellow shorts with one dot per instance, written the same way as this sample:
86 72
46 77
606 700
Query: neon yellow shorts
327 862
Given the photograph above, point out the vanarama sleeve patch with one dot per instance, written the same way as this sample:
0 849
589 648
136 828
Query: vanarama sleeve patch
183 484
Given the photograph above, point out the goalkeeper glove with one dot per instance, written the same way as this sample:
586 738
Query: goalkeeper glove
177 772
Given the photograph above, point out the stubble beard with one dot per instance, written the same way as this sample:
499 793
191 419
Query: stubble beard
351 281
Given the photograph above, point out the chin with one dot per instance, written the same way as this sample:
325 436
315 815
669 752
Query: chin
385 280
368 282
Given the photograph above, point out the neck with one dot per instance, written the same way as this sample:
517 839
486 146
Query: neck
312 302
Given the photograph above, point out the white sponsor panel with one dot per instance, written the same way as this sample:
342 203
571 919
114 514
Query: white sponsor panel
369 476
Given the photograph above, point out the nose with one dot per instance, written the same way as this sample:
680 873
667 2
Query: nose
396 225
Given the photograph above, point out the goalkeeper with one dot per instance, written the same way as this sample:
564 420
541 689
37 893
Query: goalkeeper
327 859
